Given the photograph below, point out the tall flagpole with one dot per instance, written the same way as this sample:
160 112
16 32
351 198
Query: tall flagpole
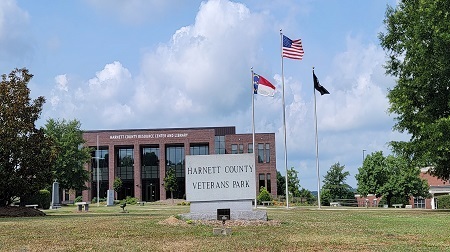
98 174
284 119
253 126
317 146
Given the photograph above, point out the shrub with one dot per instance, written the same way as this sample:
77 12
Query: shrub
443 202
264 195
44 199
131 200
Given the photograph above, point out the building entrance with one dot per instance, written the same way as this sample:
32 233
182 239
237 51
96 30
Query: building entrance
150 193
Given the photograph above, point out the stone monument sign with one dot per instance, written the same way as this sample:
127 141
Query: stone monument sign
220 182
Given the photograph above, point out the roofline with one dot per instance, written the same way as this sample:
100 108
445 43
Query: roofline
158 129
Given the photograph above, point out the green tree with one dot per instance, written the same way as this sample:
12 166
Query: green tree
68 141
281 184
293 182
391 177
334 186
26 155
117 184
307 195
417 42
170 181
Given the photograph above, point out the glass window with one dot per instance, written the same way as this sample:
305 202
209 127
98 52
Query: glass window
269 188
150 162
250 148
241 148
103 163
199 149
267 153
262 180
125 163
175 159
419 202
234 149
260 153
219 142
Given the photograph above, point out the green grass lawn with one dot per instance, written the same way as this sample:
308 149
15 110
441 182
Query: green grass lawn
297 229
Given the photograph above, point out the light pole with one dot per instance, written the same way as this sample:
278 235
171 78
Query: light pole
363 156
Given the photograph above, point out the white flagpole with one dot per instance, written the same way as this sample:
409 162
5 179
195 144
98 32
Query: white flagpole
317 146
98 174
284 120
253 130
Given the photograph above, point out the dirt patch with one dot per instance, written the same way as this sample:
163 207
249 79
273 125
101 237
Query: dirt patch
15 211
173 221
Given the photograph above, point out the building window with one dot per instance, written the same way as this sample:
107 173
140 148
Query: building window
241 148
234 149
269 188
267 153
260 153
419 202
150 162
219 144
250 148
125 163
262 180
199 149
175 160
103 164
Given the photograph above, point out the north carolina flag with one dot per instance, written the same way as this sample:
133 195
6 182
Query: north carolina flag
262 86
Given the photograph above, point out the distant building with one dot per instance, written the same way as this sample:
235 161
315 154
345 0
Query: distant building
140 157
438 187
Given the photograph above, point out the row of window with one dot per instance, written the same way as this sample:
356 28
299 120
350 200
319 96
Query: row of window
263 151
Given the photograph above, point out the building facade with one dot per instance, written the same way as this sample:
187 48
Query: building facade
141 157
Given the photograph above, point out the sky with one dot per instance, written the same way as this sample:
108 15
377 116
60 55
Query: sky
144 64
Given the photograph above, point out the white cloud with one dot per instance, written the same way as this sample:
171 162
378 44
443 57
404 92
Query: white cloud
61 82
15 42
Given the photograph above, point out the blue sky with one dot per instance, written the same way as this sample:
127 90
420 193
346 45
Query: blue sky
116 64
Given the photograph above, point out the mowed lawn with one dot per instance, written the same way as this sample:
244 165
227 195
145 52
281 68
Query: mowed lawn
294 229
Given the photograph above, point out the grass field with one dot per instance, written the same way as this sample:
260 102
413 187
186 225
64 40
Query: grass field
294 229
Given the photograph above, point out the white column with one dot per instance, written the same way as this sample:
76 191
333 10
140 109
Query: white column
432 201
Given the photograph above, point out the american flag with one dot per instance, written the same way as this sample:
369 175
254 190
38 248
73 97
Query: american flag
292 49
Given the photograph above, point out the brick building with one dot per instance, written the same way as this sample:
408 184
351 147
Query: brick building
135 157
438 187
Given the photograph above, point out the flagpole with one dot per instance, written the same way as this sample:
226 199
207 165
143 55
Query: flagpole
284 118
253 128
317 146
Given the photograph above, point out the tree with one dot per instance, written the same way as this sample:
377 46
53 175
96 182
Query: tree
334 186
170 181
417 42
68 168
293 182
307 195
281 184
117 184
390 177
26 155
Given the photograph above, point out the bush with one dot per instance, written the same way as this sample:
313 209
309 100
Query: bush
443 202
44 199
264 195
131 200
